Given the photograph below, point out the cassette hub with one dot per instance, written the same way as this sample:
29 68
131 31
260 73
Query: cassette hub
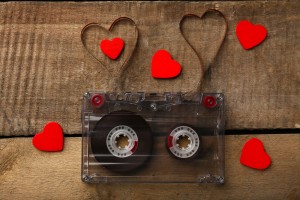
122 141
183 142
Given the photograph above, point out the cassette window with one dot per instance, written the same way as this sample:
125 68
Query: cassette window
151 137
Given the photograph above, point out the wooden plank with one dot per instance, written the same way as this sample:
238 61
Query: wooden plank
26 173
44 69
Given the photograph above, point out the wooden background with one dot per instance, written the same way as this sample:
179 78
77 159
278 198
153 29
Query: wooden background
44 70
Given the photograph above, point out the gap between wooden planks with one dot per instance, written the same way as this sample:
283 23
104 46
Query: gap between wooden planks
26 173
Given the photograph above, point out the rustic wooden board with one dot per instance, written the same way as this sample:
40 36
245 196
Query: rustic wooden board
26 173
44 69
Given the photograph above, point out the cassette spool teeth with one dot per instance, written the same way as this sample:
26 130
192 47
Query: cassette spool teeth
121 141
183 142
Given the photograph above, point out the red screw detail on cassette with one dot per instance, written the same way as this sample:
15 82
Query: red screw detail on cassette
97 100
209 101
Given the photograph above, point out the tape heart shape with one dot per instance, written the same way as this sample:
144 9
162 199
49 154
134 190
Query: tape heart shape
115 44
254 155
163 66
51 139
194 44
250 35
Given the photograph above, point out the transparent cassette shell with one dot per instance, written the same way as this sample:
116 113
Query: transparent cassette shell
187 133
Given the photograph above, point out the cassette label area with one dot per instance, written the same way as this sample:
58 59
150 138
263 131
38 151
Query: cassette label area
153 137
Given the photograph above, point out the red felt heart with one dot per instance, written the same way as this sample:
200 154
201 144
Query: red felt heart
163 66
112 48
250 35
50 139
254 155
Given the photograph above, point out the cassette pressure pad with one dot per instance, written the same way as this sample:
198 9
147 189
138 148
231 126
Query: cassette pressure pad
150 137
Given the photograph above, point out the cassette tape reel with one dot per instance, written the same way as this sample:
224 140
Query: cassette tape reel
122 141
152 137
183 142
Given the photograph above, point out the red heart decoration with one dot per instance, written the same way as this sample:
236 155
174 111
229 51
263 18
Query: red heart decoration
50 139
112 48
250 35
163 66
254 155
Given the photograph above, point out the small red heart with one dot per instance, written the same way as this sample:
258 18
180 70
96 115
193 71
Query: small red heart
163 66
254 155
50 139
250 35
112 48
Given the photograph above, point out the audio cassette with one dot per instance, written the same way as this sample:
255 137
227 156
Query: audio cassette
153 137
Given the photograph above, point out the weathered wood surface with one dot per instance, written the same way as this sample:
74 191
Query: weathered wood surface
26 173
44 69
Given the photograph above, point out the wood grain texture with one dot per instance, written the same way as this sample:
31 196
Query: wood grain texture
44 69
26 173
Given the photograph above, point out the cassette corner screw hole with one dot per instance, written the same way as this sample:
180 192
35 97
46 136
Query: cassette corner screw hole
209 101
